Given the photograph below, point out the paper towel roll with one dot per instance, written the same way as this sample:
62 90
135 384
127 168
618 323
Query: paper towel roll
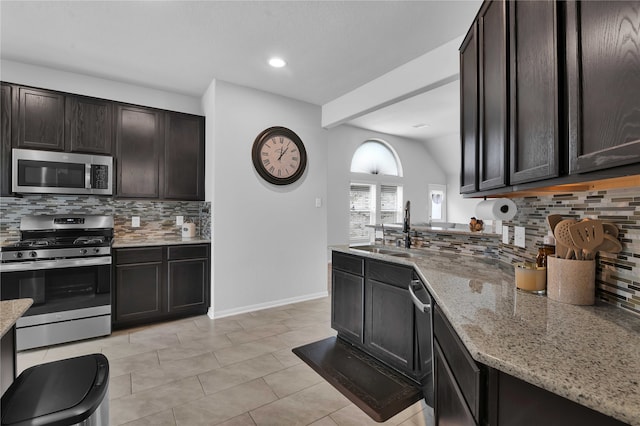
496 209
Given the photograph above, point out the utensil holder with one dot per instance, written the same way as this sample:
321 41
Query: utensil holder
571 281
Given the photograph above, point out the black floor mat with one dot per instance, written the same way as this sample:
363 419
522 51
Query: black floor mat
374 388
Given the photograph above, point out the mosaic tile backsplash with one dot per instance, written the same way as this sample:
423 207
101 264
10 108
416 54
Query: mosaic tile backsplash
157 218
617 276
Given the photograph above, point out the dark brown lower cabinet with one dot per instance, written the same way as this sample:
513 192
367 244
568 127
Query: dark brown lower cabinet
347 305
7 359
389 324
158 283
450 406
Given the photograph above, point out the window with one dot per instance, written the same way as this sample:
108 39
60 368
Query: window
375 192
371 204
376 158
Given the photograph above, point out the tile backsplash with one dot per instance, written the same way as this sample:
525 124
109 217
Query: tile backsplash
157 218
617 276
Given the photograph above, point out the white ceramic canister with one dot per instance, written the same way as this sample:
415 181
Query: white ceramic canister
188 230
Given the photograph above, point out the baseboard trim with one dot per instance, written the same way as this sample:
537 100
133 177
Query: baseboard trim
260 306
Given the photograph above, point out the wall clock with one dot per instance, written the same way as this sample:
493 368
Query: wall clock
279 155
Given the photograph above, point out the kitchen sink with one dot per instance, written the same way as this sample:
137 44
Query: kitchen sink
387 251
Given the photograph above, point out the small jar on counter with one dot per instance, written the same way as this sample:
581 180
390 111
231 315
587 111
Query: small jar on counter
543 252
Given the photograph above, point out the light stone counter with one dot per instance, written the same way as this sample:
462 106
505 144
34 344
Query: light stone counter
156 241
588 354
11 311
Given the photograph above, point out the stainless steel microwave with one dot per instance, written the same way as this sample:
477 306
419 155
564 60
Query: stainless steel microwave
49 172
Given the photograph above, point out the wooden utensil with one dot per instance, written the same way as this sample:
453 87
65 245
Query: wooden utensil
610 244
587 235
553 220
610 228
564 238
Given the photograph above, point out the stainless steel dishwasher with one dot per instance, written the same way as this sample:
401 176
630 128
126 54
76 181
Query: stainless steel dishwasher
424 335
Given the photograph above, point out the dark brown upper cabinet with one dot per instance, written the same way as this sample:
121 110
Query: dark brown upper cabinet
182 167
535 134
139 141
6 100
88 125
469 111
493 97
40 119
603 79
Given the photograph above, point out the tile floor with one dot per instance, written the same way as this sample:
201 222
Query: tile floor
232 371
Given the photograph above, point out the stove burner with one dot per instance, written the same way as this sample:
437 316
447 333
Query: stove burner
40 242
88 240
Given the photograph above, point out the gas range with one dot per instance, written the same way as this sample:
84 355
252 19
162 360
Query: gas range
60 237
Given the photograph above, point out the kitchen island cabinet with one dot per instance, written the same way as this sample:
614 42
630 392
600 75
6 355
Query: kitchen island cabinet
347 303
372 309
519 358
161 282
10 312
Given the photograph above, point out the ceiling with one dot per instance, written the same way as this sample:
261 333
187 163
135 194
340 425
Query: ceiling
331 47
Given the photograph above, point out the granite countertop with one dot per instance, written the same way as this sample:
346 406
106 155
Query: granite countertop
156 241
588 354
11 311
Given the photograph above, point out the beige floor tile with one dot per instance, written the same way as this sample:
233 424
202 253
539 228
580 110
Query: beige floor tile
292 379
226 371
301 408
257 333
245 351
155 400
120 366
242 420
119 386
193 347
171 371
286 357
164 418
325 421
225 405
242 372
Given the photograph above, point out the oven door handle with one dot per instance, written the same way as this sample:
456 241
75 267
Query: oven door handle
37 265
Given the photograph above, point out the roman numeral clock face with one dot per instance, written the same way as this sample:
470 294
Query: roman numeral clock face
279 156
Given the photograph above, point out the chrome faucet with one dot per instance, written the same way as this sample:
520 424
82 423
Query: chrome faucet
406 224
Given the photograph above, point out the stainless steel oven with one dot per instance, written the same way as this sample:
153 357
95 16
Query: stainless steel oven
63 263
37 171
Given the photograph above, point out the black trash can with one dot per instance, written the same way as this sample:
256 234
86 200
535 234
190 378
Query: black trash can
67 392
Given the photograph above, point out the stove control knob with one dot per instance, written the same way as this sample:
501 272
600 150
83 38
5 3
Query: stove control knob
19 254
83 251
96 250
33 254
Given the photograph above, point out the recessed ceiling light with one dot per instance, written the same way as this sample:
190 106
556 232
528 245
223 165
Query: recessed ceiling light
420 125
277 62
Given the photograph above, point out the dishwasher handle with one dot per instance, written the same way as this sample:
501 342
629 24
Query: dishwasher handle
423 307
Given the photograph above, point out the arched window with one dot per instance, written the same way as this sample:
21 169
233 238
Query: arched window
377 158
377 198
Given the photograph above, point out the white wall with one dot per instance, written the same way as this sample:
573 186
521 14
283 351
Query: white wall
49 78
270 242
420 169
446 151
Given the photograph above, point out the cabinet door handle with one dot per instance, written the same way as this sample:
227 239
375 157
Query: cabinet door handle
424 307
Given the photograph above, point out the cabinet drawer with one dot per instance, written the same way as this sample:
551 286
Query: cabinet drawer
389 273
138 255
348 263
187 252
463 367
